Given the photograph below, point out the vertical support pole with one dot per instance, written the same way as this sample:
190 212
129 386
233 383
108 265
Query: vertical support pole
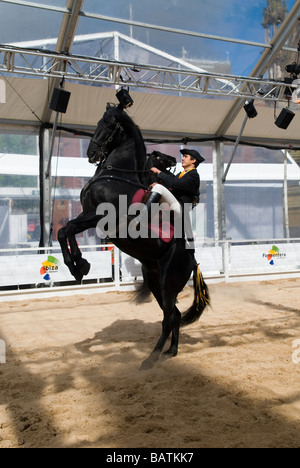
50 151
235 147
219 191
117 268
285 197
219 205
116 47
226 260
2 92
131 19
45 189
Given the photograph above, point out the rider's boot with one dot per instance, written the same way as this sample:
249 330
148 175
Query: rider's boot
154 197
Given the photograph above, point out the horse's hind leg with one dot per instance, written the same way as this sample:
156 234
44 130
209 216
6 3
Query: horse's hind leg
173 350
173 278
151 277
154 356
167 304
167 328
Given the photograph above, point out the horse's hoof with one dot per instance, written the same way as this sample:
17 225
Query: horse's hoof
78 277
84 267
171 353
147 364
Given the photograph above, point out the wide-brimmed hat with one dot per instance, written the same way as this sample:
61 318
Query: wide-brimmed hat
194 154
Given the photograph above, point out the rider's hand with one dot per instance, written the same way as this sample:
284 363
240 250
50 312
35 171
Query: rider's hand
155 170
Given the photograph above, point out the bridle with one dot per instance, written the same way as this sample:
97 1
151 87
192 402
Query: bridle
104 152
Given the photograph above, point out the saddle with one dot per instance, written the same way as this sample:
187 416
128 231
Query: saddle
163 230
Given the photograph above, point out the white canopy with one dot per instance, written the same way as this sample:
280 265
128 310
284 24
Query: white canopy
157 115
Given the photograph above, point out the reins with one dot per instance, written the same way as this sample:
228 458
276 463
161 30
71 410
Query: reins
131 171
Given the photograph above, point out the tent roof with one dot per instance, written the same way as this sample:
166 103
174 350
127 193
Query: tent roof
159 114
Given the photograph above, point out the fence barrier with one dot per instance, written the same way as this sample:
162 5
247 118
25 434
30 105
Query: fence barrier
111 269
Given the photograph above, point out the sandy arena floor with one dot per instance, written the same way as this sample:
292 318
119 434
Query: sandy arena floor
72 375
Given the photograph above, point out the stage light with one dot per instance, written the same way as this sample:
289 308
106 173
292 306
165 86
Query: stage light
124 98
293 69
284 119
250 109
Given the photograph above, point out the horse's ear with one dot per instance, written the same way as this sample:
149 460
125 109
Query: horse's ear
110 105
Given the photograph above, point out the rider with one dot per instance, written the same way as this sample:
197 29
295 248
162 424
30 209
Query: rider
178 190
186 185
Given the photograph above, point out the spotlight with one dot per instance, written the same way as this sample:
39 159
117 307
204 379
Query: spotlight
284 119
250 109
124 98
293 69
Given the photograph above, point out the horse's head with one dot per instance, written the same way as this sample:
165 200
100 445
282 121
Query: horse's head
106 137
162 161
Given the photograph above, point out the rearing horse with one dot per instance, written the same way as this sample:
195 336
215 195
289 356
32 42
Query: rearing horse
118 147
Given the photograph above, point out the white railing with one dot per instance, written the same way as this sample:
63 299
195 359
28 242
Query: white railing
111 269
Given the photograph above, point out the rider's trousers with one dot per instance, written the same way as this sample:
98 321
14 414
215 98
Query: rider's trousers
168 197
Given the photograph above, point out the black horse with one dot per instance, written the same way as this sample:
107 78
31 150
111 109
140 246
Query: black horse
123 169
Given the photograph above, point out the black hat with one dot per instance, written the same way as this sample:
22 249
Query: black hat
194 154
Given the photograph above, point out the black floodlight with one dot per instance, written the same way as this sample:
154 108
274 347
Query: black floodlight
250 109
284 119
293 69
124 98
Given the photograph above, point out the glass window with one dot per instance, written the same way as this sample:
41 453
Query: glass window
20 23
19 191
245 21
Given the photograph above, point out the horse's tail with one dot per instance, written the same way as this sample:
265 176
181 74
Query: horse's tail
201 300
141 295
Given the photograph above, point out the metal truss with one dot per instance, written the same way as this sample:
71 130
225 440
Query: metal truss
44 64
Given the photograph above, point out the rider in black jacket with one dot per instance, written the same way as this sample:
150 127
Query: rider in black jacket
186 185
178 190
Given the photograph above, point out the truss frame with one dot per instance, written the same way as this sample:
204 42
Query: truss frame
20 61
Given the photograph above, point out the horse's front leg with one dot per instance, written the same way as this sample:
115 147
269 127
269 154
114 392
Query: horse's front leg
78 266
82 267
68 259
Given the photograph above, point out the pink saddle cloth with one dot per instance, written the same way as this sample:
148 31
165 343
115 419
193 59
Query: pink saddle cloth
164 230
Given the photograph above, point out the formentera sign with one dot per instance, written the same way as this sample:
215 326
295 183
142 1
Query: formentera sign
274 255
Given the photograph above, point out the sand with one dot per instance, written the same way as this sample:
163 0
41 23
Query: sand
72 378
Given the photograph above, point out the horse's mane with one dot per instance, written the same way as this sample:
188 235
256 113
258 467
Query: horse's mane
133 131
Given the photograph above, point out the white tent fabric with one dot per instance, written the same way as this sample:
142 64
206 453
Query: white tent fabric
157 115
